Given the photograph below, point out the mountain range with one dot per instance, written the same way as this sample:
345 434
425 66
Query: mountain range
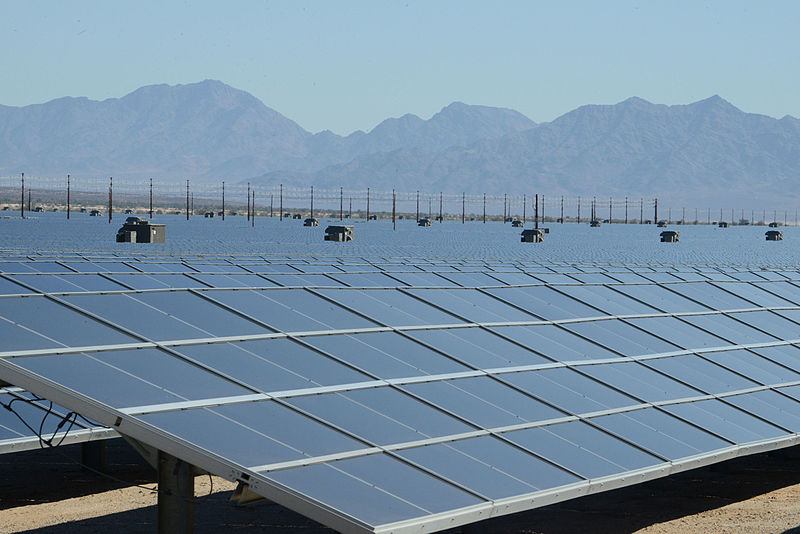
704 153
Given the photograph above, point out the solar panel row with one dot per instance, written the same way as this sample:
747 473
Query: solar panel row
391 408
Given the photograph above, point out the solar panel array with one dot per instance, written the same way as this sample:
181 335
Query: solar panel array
378 394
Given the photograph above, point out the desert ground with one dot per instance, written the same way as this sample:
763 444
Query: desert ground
47 492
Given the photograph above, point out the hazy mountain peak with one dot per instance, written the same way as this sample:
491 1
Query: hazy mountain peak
636 101
185 130
207 92
454 106
715 102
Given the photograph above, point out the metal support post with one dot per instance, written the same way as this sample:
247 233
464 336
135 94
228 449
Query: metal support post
93 455
175 495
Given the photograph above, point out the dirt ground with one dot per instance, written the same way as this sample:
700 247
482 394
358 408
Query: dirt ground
47 492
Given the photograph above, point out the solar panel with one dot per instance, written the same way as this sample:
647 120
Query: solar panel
405 408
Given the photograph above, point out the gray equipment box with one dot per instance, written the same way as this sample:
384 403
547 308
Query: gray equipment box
532 235
774 235
138 230
670 236
339 233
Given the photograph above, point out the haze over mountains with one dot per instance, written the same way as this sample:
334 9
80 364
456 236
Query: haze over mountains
705 153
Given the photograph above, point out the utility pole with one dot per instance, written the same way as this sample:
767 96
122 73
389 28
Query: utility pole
187 200
110 198
223 200
248 201
281 205
562 209
417 205
368 204
484 208
524 204
312 201
22 198
441 218
341 203
68 197
543 215
151 198
536 213
394 202
463 207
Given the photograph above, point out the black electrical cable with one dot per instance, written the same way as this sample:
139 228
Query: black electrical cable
10 409
71 417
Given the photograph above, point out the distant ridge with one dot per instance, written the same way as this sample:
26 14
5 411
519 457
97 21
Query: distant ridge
704 152
207 130
708 153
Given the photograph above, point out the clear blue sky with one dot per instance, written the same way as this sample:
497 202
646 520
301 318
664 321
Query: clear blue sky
344 65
